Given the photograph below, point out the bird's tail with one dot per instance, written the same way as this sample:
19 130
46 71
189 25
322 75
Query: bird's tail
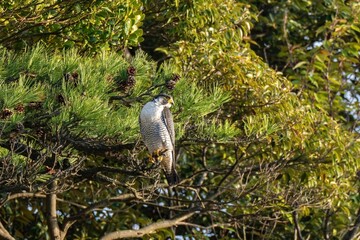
172 177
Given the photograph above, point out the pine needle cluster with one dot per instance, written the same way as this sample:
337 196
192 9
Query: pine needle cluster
80 104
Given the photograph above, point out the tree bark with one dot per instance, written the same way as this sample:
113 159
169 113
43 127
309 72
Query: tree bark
52 222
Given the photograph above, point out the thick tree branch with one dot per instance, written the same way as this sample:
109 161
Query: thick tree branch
297 226
53 225
4 234
148 229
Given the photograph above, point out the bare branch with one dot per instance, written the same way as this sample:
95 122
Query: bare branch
123 197
53 225
326 224
297 227
37 195
22 150
148 229
4 234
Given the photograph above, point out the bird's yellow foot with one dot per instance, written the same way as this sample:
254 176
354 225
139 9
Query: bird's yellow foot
151 159
157 155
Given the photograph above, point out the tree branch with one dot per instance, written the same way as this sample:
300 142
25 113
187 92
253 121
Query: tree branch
22 150
350 234
97 147
37 195
4 234
326 224
148 229
297 227
53 225
141 194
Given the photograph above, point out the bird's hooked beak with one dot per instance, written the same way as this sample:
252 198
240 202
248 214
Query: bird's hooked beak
171 101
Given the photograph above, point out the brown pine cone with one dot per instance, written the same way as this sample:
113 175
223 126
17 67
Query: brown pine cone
20 108
170 84
131 71
5 113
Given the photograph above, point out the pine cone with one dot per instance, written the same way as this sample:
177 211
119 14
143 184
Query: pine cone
131 71
170 84
20 108
5 113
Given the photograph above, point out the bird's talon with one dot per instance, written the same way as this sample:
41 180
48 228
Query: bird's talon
151 158
160 158
157 155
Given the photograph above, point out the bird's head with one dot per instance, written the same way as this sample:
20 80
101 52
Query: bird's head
164 100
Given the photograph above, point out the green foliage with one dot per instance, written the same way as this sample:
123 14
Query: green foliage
67 105
82 104
316 45
88 25
265 149
294 134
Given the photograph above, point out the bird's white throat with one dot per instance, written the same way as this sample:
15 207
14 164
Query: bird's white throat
151 111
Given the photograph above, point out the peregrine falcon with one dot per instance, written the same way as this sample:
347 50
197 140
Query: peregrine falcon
157 130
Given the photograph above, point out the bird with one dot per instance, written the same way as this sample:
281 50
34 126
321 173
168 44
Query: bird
158 133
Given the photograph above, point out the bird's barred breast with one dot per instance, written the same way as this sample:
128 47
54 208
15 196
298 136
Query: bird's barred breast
154 132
